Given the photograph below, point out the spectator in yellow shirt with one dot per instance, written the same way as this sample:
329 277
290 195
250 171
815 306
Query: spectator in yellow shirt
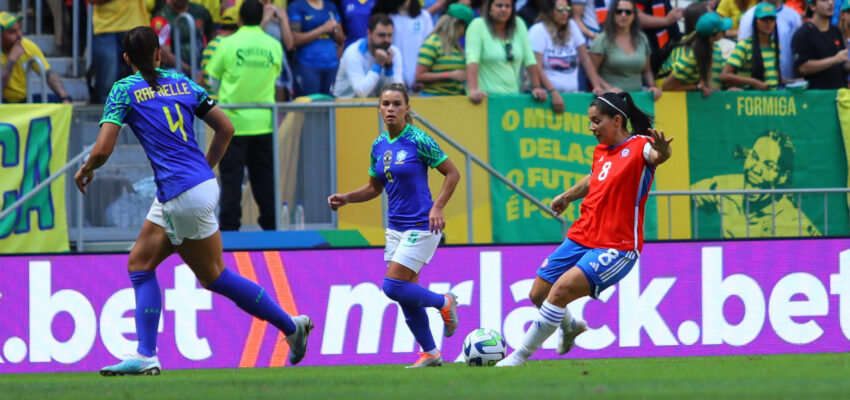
111 20
16 55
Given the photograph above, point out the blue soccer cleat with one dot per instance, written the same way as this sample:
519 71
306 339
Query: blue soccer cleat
134 364
298 339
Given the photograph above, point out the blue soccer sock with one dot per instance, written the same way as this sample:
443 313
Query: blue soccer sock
148 310
417 320
253 299
412 294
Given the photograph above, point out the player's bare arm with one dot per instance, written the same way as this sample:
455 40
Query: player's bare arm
661 150
99 154
368 192
223 128
437 222
578 191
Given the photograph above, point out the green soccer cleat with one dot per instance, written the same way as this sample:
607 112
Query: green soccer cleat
134 364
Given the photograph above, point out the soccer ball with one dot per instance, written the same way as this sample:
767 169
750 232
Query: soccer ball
483 348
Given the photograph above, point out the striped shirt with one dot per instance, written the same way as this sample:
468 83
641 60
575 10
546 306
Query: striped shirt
741 60
205 58
431 55
682 63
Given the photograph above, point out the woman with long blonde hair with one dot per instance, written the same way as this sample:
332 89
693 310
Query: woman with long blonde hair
441 67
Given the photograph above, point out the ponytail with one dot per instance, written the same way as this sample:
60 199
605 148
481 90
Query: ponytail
140 44
613 104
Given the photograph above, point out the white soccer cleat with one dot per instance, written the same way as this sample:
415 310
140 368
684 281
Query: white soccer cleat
513 360
134 364
298 339
568 335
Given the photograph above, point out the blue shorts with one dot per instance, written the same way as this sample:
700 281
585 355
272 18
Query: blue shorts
602 267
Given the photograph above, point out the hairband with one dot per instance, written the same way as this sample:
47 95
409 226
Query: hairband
612 105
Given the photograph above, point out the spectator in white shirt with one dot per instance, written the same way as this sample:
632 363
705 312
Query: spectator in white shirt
370 62
411 26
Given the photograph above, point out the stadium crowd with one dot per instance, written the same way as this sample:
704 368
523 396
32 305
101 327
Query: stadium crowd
350 48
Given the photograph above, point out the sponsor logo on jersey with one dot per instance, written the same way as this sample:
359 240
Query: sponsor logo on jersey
624 153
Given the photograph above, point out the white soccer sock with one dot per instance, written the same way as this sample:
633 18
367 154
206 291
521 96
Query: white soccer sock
568 322
544 326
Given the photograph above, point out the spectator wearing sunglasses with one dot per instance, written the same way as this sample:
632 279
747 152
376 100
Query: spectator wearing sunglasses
621 53
497 48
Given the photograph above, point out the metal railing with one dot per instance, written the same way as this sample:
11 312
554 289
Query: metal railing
469 159
43 75
87 225
193 50
746 193
75 28
74 162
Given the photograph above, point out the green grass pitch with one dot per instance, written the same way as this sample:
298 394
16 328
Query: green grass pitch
804 377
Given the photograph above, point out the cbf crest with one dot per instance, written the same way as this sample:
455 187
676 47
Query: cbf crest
400 156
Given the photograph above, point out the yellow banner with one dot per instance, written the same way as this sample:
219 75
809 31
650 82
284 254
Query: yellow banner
33 144
465 122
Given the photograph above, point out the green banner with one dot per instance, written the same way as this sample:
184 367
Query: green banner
766 140
544 153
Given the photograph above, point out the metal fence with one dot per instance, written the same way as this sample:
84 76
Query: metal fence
119 198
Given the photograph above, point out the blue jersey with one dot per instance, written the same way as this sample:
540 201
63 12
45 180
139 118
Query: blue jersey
162 121
356 19
320 53
401 164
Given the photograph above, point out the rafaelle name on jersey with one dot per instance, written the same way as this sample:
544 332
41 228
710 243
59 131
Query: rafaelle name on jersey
166 89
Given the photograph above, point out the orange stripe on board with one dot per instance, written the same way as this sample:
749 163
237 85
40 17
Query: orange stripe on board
251 351
277 271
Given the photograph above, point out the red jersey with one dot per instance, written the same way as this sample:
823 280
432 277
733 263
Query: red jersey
612 212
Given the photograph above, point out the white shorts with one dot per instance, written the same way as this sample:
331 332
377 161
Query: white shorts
190 215
413 249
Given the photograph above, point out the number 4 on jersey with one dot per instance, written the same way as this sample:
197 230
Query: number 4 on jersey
175 125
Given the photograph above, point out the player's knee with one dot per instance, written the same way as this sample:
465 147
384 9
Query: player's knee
560 292
393 288
537 297
137 264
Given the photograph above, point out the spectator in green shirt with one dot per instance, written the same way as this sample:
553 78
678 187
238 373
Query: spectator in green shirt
204 27
754 64
441 67
691 65
497 48
244 69
229 25
621 52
